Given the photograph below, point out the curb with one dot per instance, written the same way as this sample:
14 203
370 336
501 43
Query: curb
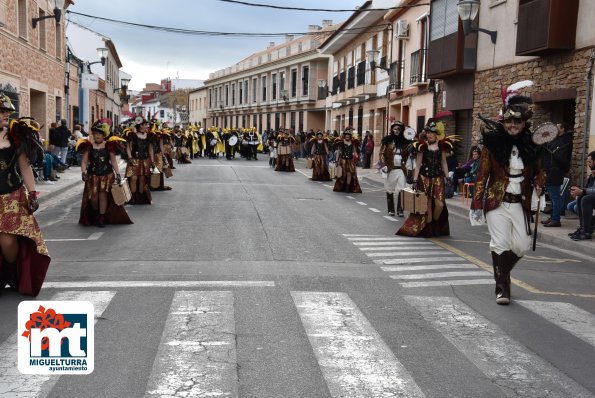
561 242
58 191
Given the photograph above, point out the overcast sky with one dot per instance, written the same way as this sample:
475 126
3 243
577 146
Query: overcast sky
151 55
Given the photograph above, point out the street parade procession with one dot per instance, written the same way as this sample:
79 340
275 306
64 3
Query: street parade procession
355 199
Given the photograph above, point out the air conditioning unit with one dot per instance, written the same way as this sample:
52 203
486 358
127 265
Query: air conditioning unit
402 29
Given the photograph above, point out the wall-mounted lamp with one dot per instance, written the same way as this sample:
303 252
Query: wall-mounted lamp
323 89
102 51
468 10
58 6
283 95
372 55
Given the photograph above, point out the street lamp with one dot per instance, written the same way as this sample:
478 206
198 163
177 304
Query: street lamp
58 6
372 55
468 10
322 85
102 51
123 85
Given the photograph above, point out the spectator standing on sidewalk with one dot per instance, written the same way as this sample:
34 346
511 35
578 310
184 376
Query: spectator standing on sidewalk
61 136
557 164
368 149
585 201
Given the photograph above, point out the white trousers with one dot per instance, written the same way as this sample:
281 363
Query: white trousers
507 229
395 181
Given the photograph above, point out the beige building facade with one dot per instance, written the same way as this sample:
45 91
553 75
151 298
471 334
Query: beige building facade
274 88
198 106
32 61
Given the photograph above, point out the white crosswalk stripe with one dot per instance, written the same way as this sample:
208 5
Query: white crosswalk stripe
198 340
406 251
502 359
354 359
16 385
567 316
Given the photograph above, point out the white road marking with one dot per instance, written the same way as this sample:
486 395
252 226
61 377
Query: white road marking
393 261
503 360
567 316
183 284
353 358
461 282
374 210
432 275
427 267
349 197
16 385
384 238
329 186
93 236
362 235
391 218
400 245
436 251
361 203
197 353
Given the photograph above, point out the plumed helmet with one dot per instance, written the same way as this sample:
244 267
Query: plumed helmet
6 103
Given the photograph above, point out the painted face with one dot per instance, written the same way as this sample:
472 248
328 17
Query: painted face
514 126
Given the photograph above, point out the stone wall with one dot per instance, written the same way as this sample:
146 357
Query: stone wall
551 73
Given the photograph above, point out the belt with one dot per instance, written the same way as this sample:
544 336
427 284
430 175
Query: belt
512 198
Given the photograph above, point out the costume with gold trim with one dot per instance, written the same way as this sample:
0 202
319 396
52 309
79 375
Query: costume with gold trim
139 166
320 152
285 144
347 157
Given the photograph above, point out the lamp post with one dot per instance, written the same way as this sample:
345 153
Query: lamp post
102 52
468 10
58 6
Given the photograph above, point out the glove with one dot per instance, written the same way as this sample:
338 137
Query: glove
32 202
118 179
84 176
476 217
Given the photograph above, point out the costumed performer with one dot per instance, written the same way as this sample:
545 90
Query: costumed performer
284 149
393 157
140 162
320 152
347 155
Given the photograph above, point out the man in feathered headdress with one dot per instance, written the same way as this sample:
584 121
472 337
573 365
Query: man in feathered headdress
393 155
503 190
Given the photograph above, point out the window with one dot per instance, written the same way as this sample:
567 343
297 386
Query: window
274 86
241 96
233 94
226 95
445 19
419 57
245 91
293 83
23 18
210 98
41 29
3 12
264 87
162 113
282 81
254 89
58 40
305 80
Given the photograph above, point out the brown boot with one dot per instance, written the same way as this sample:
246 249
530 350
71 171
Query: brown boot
502 278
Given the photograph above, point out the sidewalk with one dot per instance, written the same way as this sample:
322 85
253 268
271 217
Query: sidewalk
553 236
49 189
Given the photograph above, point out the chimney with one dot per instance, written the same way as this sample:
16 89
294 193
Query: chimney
327 22
313 28
271 44
288 38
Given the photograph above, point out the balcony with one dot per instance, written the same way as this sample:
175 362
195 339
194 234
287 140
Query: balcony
397 76
418 67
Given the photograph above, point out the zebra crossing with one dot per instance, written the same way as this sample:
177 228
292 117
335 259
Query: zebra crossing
197 353
405 257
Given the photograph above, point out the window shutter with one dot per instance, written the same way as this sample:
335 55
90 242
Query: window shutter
438 18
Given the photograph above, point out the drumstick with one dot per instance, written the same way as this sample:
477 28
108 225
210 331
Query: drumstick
536 223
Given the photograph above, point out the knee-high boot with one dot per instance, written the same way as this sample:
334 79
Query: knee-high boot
511 259
399 206
9 275
502 278
390 201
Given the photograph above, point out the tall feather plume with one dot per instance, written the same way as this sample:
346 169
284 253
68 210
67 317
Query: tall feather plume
514 89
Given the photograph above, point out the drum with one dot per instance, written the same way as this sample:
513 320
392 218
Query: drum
409 133
252 142
213 142
233 140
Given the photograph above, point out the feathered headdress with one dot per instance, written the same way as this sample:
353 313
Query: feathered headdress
515 105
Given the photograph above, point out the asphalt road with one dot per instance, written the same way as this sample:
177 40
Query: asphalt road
246 282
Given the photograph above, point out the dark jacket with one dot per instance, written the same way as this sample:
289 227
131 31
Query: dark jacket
61 136
557 158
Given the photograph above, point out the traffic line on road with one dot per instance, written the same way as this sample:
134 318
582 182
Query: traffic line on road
374 210
361 203
350 197
401 268
400 246
197 352
93 236
569 317
452 282
390 218
169 284
393 261
502 359
383 238
432 275
16 385
436 251
360 235
353 358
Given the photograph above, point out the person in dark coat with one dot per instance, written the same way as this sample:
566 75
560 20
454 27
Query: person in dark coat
61 136
557 165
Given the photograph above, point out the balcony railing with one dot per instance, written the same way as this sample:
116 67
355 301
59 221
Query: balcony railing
419 67
397 75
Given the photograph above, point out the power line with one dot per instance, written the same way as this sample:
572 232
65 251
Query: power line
376 28
245 3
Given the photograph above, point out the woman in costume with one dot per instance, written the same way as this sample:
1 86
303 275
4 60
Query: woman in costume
320 152
167 147
140 162
24 258
157 139
284 148
509 173
347 151
429 177
100 170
